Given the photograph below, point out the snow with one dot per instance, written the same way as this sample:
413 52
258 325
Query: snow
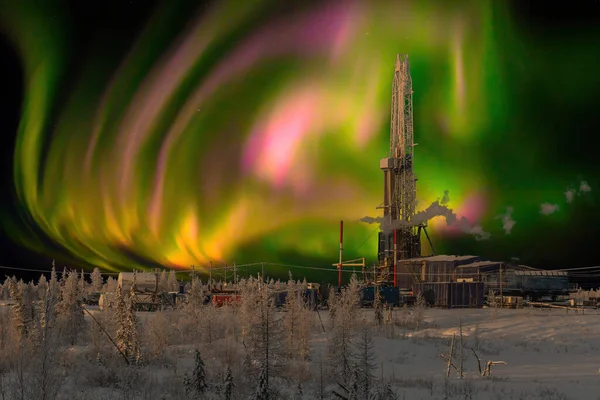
549 353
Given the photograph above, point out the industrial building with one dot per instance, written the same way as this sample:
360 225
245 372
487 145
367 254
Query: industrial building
444 281
463 281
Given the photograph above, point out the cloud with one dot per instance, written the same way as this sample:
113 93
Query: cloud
547 208
436 209
569 195
507 221
584 187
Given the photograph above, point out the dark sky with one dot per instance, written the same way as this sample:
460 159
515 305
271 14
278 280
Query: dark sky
118 22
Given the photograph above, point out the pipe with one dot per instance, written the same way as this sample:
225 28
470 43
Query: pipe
341 253
395 258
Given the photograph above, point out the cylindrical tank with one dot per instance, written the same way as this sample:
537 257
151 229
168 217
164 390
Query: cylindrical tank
144 281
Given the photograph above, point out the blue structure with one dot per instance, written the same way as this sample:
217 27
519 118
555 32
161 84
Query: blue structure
389 295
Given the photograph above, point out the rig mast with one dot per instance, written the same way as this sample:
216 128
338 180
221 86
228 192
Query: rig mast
400 238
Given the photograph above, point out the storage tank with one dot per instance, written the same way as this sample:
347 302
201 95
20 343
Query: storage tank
144 281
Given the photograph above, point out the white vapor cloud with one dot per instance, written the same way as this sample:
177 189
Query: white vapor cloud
569 195
584 187
436 209
547 208
507 221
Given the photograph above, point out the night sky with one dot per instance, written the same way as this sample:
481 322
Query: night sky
142 133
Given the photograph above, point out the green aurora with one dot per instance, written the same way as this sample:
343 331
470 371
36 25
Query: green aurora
245 132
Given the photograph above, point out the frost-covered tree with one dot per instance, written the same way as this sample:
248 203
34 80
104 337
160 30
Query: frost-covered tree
172 284
70 309
365 362
264 341
297 322
332 302
82 283
228 385
197 293
196 386
419 311
54 285
340 343
249 290
127 327
378 307
163 285
21 314
110 286
262 389
97 281
45 378
42 287
4 291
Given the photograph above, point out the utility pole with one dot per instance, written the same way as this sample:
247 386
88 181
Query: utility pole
209 275
501 298
341 253
234 274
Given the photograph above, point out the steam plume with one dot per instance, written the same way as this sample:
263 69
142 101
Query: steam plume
584 187
507 221
437 209
569 195
547 208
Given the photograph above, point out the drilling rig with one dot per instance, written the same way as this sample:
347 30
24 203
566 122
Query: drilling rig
400 238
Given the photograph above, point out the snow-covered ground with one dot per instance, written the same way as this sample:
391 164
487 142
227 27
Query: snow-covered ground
546 354
549 354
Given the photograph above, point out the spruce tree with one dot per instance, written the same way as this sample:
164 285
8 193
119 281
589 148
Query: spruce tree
365 362
96 279
20 316
196 386
42 287
70 309
228 385
262 390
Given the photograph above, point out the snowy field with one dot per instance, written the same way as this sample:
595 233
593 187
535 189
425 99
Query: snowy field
50 348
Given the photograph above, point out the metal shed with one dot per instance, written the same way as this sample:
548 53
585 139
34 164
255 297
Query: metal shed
453 294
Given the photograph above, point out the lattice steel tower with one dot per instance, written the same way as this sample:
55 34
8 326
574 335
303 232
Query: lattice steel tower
400 239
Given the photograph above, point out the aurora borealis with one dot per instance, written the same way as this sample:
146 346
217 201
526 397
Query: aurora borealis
244 131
